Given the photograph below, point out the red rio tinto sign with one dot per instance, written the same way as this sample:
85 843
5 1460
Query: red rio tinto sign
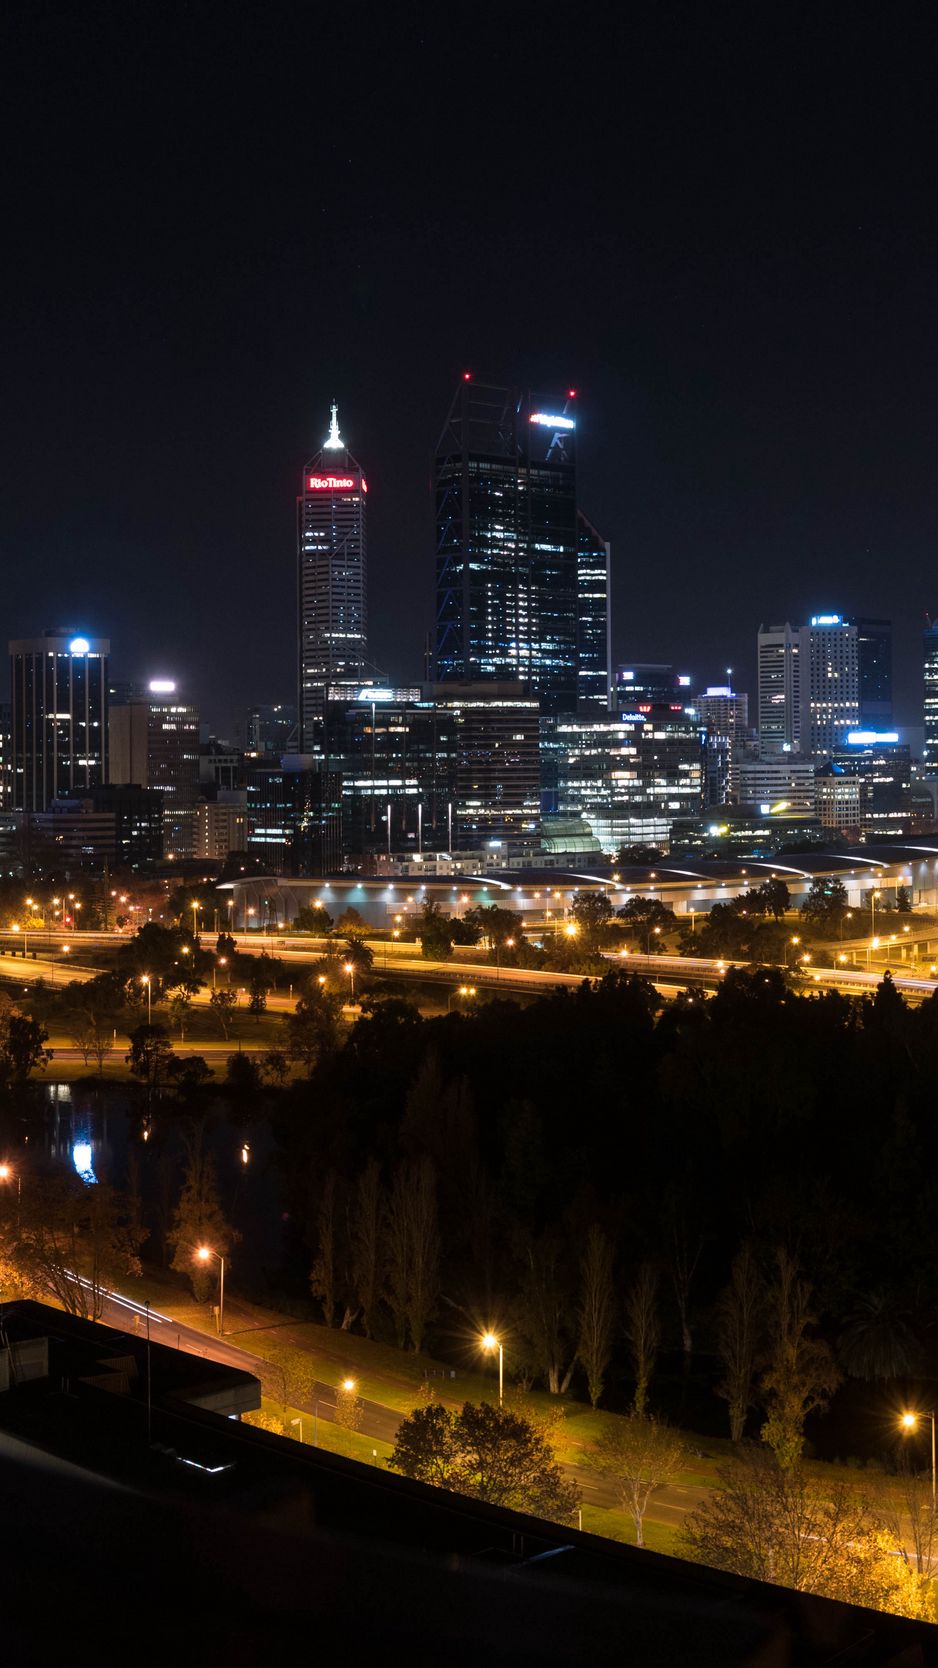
330 483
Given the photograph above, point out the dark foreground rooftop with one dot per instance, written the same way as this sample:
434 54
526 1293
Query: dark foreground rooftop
176 1535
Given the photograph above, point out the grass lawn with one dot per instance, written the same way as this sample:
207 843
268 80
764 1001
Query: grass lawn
335 1439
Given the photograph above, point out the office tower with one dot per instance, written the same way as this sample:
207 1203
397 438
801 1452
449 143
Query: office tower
155 744
495 736
331 577
593 618
724 714
883 766
395 752
830 683
930 667
59 716
294 815
648 683
506 568
782 782
6 738
874 657
629 777
779 690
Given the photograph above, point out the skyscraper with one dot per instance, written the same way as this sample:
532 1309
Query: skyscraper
59 699
331 577
155 744
779 690
507 543
830 683
930 666
874 654
593 618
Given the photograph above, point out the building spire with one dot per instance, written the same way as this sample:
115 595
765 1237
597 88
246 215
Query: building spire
334 443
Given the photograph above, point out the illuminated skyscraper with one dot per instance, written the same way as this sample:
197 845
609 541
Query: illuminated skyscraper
155 744
593 618
507 543
930 659
59 698
331 577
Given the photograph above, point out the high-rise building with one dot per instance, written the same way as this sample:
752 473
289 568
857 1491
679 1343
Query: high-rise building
59 717
496 736
830 683
883 765
628 777
724 713
779 690
930 667
593 618
874 656
507 543
155 744
647 683
294 815
331 578
395 752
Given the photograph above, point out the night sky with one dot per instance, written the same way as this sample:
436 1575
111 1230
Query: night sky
718 222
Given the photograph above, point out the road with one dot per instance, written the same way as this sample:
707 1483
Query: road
670 1505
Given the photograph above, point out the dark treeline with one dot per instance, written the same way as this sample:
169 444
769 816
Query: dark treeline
466 1171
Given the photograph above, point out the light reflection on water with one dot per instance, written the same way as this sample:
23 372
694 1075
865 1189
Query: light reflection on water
112 1135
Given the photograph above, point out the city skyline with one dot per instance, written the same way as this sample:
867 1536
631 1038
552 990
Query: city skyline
742 300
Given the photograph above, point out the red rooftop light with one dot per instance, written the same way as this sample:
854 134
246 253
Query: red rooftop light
467 376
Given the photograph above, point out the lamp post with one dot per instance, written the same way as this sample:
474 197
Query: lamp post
145 980
909 1423
873 897
196 906
793 940
8 1174
490 1343
350 970
300 1423
204 1254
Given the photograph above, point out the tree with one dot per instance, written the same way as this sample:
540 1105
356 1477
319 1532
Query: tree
645 915
352 924
22 1046
199 1220
75 1239
773 1523
639 1455
349 1407
222 1004
642 1331
490 1453
179 1008
412 1250
274 1066
593 913
322 1277
877 1342
825 907
800 1374
904 899
315 921
739 1315
366 1244
150 1054
777 897
313 1030
546 1311
434 932
597 1311
493 923
242 1075
190 1071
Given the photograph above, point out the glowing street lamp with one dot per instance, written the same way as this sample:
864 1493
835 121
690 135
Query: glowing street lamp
8 1174
145 980
349 967
490 1343
204 1254
909 1423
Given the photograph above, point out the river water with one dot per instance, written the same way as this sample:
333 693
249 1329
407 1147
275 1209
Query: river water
115 1133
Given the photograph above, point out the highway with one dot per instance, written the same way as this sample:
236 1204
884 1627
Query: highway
668 973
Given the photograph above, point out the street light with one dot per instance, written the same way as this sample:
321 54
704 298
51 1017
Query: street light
350 970
793 940
7 1174
196 906
909 1423
489 1344
204 1254
145 980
